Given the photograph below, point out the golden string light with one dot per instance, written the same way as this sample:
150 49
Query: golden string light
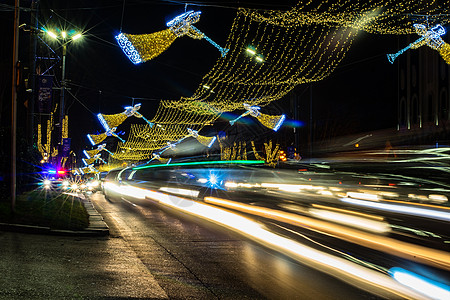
271 52
150 45
46 149
444 51
113 120
65 127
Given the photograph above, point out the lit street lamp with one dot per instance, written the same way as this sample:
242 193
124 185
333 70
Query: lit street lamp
63 38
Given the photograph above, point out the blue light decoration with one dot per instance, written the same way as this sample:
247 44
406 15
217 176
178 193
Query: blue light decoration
426 286
98 138
212 142
156 156
91 140
128 48
133 111
251 110
169 146
431 38
103 122
204 140
86 154
102 147
272 122
280 122
182 25
112 132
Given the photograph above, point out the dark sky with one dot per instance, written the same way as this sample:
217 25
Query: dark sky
360 94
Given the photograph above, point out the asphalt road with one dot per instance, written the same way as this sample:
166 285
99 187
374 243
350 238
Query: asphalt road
193 259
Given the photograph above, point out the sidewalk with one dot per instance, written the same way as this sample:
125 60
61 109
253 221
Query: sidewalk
56 264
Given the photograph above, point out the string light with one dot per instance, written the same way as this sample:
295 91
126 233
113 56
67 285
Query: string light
93 159
98 138
204 140
109 122
272 122
143 47
444 51
302 45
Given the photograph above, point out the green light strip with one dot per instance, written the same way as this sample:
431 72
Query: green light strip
197 163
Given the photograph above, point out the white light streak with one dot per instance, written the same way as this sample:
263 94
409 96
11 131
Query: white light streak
430 288
363 196
184 192
404 209
354 221
336 266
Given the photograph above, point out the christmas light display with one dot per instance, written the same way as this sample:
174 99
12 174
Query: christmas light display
133 111
143 47
98 138
88 170
444 51
92 153
182 25
272 122
111 121
170 146
298 46
156 156
431 38
204 140
93 159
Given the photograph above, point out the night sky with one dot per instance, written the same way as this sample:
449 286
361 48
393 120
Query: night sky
361 95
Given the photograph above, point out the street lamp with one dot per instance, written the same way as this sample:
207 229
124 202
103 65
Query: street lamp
63 38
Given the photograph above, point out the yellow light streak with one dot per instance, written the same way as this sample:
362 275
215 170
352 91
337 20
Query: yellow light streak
357 213
413 252
335 266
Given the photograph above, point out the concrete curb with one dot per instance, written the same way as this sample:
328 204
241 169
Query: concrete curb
97 226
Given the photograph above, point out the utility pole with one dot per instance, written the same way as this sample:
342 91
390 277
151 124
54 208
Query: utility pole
15 79
33 42
63 88
61 102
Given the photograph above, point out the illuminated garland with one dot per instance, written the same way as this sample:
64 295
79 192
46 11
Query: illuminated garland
156 156
444 51
111 121
98 138
88 170
237 152
143 47
65 127
46 149
204 140
272 122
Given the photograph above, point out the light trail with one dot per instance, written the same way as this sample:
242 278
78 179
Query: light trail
421 254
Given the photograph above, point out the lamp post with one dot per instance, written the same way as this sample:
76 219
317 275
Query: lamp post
64 38
15 61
